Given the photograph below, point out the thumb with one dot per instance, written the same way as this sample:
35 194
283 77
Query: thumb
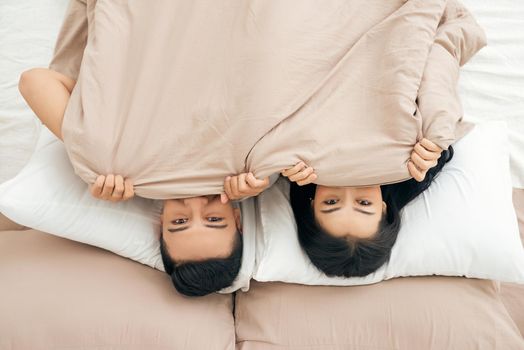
254 182
224 198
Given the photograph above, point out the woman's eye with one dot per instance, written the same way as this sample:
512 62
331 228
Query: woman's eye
364 202
180 221
214 219
331 201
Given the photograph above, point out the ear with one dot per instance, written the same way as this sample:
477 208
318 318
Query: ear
384 207
161 225
237 213
162 212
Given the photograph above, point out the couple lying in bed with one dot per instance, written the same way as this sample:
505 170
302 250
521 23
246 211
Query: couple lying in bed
346 231
202 123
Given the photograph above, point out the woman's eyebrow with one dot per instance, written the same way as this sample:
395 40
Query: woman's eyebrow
363 211
327 211
186 227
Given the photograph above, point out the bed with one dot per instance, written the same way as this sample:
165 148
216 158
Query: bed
59 294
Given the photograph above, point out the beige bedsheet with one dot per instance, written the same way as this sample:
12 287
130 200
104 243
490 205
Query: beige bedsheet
513 294
60 294
415 313
177 95
7 225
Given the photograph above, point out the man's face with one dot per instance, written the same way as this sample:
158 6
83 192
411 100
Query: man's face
199 228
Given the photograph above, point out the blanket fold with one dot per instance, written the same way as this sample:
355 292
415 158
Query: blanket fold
72 39
457 40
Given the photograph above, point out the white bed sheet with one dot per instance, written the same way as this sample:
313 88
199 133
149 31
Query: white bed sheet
491 85
28 31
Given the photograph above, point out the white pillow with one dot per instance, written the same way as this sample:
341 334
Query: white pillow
48 196
463 225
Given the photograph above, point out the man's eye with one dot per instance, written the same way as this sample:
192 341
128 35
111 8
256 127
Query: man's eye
364 202
331 201
214 219
180 221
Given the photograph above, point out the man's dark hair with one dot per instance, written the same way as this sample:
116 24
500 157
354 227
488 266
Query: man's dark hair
199 278
356 257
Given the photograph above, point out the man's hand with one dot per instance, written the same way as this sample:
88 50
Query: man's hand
112 188
242 186
424 157
301 174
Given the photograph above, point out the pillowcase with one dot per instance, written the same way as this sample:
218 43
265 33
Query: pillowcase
47 195
463 225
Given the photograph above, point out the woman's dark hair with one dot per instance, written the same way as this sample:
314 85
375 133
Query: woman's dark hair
353 257
199 278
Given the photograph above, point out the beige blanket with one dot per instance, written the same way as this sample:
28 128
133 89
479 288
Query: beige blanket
179 94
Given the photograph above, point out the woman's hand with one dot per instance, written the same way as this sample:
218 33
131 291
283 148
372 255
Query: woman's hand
112 188
242 186
424 157
301 174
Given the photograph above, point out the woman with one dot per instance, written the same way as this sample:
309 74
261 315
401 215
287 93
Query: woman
350 231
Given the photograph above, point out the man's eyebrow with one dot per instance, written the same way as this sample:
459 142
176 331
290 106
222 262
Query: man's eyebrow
186 227
216 226
178 229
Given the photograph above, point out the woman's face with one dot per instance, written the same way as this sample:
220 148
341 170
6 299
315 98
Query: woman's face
349 211
199 228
